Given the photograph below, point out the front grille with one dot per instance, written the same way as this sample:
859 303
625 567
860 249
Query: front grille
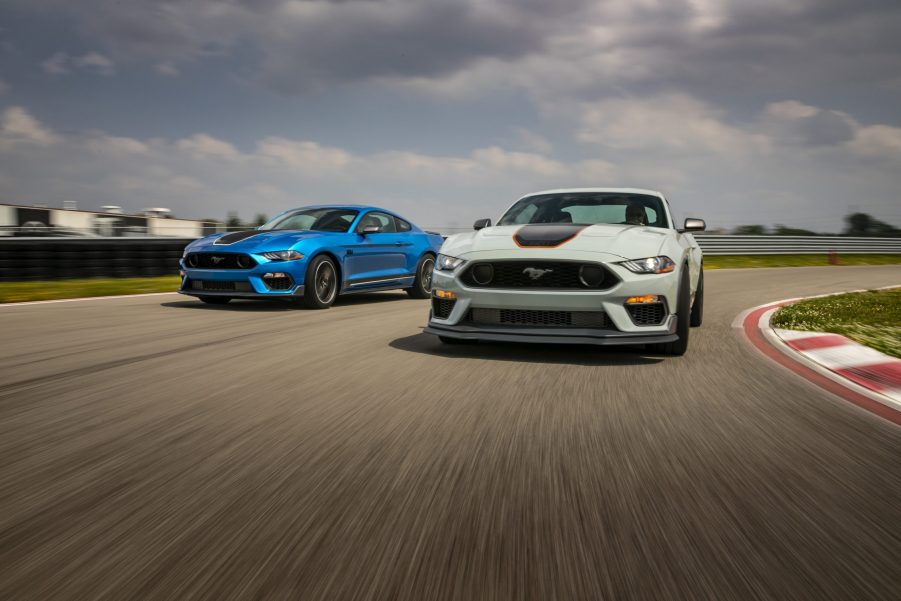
543 319
442 307
565 275
219 261
218 286
647 315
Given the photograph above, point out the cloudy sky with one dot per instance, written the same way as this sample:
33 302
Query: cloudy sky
769 111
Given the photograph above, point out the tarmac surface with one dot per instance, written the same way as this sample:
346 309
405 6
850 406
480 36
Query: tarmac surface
158 448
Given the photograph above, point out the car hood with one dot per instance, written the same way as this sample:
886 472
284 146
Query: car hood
257 240
623 241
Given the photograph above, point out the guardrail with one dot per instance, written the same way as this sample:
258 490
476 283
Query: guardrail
796 245
63 258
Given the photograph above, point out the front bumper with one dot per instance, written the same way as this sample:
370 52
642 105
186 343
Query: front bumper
619 327
298 291
241 283
548 335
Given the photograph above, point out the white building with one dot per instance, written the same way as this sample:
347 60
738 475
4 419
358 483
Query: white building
110 221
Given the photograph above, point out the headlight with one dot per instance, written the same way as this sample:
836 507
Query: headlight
283 255
650 265
447 263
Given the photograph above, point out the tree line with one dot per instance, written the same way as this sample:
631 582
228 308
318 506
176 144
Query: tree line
856 224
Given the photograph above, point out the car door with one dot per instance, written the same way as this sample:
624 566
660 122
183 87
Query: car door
377 258
412 243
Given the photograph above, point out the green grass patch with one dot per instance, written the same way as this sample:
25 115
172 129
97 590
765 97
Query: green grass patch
733 261
17 292
872 318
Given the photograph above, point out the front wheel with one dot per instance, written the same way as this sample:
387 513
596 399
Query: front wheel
697 309
422 285
683 313
215 300
320 284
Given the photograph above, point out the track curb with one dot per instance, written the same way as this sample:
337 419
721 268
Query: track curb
827 360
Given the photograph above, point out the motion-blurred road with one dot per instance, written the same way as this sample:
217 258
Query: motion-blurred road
158 448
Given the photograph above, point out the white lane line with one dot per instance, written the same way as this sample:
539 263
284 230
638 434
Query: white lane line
83 298
798 334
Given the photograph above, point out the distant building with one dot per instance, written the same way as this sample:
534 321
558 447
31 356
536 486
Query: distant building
109 221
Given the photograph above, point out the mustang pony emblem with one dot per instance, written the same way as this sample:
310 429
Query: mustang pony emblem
217 260
535 273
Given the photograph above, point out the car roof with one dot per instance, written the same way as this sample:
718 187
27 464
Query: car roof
611 190
342 206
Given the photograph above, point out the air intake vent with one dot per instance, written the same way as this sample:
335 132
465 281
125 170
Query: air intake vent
219 261
647 315
560 275
544 319
442 307
219 286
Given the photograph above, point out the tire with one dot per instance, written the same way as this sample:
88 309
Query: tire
215 300
697 309
422 285
320 284
449 340
683 317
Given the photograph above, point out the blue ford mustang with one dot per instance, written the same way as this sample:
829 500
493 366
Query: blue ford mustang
311 255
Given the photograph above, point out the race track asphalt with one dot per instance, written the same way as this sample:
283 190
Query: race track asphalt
157 448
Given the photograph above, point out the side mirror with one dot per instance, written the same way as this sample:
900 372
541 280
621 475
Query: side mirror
481 224
694 225
370 229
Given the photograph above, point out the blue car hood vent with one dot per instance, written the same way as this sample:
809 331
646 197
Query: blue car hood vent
236 237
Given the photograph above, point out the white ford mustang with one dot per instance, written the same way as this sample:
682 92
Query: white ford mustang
591 266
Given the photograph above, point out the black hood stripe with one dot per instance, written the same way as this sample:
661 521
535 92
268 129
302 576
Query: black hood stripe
235 237
547 236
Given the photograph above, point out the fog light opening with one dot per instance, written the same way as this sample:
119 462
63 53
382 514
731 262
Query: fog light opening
483 274
643 300
591 276
275 275
445 294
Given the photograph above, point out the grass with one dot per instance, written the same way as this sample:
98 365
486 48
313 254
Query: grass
872 318
733 261
17 292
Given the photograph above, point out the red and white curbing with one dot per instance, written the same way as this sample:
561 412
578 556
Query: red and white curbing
862 365
852 371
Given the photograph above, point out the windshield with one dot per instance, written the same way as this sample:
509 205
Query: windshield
588 208
320 220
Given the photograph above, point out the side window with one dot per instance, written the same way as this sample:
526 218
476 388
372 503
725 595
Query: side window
402 226
384 222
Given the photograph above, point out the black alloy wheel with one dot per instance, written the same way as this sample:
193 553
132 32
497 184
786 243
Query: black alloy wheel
422 285
320 284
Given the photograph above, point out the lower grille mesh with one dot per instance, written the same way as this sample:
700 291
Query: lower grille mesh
647 315
544 319
278 283
442 307
218 286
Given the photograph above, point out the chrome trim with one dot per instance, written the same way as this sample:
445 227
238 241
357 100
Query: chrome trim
377 280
